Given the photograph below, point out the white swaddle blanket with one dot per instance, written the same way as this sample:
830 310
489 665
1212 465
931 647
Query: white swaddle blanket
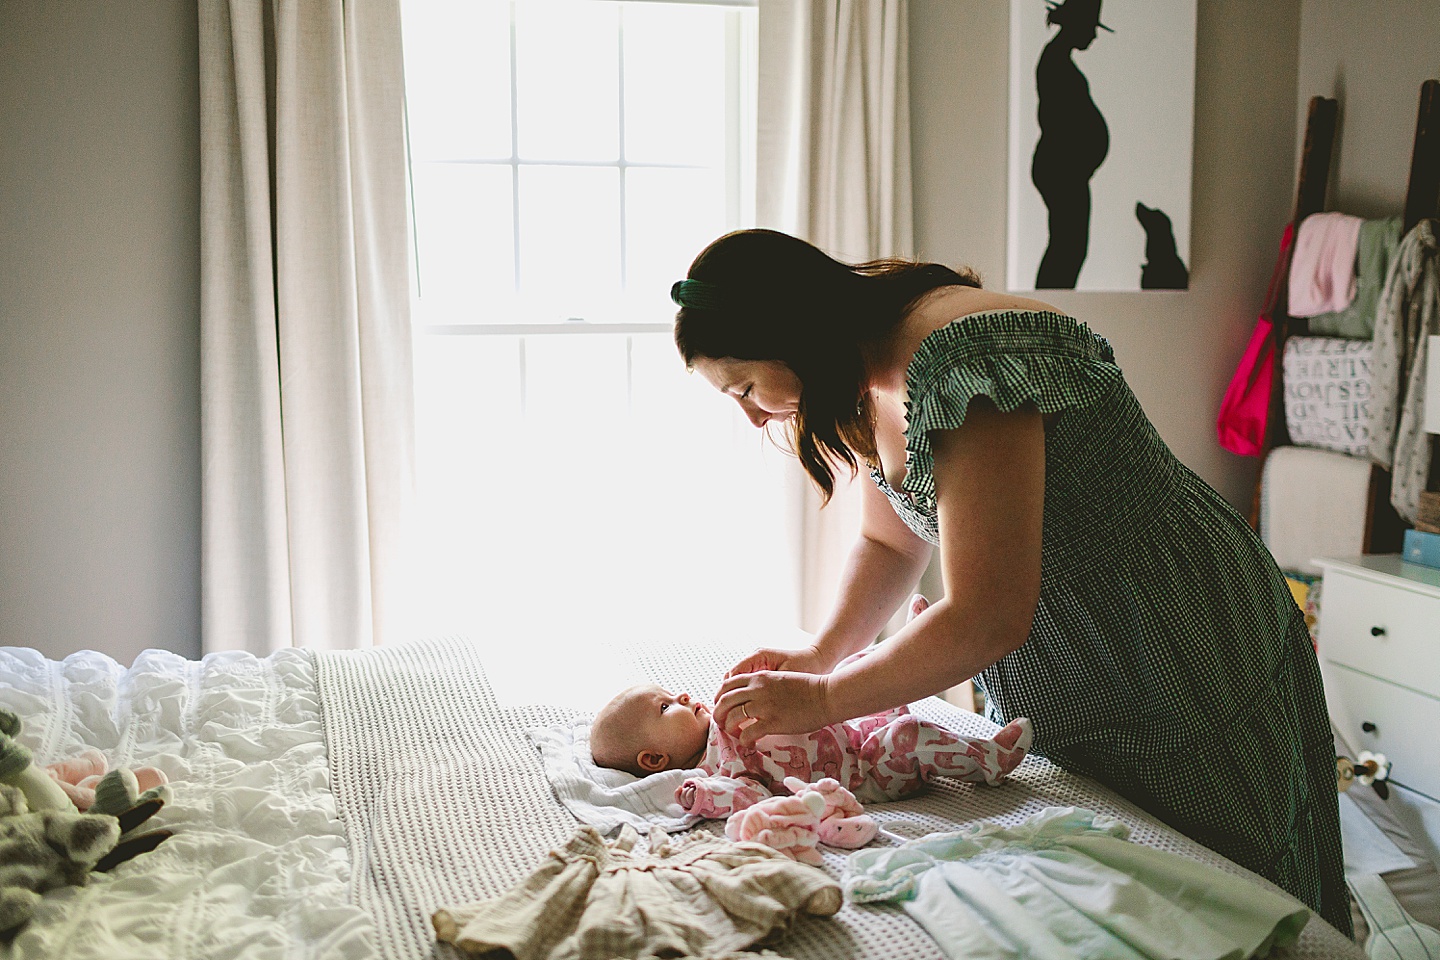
608 799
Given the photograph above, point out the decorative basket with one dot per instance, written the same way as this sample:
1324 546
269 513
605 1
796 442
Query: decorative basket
1428 517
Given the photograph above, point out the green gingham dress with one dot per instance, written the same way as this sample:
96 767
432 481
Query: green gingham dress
1167 658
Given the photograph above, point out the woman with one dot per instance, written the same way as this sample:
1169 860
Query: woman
1092 582
1073 142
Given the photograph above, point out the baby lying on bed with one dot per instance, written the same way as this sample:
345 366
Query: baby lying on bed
885 756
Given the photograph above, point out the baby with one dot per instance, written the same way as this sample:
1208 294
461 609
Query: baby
885 756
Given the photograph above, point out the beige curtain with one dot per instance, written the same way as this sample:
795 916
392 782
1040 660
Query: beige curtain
833 167
306 378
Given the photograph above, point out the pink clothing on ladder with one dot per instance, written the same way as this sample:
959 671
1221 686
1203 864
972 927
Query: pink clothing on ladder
1322 271
884 756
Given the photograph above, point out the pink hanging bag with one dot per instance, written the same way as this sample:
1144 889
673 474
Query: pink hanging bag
1245 409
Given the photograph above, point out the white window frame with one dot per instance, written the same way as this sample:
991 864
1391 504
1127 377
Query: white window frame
742 60
758 523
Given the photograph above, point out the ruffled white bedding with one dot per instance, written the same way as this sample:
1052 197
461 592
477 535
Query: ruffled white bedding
257 866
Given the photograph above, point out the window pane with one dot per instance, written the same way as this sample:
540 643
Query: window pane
659 510
576 387
670 215
457 78
464 225
675 69
711 516
569 242
467 432
567 60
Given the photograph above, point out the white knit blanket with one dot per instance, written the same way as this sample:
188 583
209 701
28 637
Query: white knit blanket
444 799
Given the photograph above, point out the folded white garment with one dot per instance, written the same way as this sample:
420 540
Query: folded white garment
607 799
1313 504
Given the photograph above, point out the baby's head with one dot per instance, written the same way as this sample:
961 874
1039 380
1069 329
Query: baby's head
646 729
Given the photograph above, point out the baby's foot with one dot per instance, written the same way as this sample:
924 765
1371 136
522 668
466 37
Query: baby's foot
1011 743
918 605
990 761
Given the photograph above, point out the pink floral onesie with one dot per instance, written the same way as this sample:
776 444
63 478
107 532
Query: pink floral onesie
884 756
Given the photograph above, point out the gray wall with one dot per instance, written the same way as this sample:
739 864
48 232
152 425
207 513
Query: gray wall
1178 349
99 326
1372 58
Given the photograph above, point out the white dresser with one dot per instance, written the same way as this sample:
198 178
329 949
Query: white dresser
1380 654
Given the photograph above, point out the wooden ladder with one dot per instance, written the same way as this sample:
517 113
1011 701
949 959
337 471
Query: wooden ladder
1384 528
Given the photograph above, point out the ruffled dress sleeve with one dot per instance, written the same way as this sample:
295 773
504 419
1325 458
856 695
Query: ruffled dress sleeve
1013 357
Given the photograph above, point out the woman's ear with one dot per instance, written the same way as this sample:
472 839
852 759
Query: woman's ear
652 761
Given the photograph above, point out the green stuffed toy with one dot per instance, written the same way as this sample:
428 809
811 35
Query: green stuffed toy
45 842
39 788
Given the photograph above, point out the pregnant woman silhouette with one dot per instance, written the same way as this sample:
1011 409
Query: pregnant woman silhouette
1073 142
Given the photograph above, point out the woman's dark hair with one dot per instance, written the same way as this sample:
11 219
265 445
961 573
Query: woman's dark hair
765 295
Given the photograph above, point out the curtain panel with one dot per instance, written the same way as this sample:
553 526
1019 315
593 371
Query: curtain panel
833 167
307 424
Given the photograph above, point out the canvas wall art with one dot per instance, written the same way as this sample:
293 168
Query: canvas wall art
1102 108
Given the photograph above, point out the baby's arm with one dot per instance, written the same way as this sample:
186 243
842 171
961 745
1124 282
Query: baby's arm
716 797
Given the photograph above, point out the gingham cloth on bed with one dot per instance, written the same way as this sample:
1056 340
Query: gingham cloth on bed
445 801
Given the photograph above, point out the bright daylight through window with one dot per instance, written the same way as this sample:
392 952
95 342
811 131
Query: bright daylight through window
568 161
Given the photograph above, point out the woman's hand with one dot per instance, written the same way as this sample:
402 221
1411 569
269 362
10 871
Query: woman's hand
776 702
805 660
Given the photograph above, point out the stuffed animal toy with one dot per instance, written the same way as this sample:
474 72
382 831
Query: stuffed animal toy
788 824
41 792
44 849
843 822
45 842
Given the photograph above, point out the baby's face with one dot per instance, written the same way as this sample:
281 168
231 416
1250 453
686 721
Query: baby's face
672 729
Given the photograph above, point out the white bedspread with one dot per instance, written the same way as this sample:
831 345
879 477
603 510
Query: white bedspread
258 866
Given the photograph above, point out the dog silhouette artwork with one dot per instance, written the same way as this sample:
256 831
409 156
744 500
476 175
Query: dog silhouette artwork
1163 269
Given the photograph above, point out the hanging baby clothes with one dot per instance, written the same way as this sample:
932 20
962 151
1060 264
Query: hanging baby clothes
1067 884
702 895
1322 270
1378 244
1409 311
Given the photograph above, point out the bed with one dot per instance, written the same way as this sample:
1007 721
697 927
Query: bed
327 803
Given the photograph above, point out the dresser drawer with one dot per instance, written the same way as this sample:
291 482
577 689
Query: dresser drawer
1402 725
1387 632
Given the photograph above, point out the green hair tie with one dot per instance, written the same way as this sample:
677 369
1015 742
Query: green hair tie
696 294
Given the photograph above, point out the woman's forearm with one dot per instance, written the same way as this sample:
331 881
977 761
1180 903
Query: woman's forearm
876 580
938 649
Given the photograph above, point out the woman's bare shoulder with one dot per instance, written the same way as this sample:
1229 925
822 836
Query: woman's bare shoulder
948 304
957 302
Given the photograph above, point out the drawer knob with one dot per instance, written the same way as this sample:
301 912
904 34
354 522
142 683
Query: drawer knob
1377 631
1368 727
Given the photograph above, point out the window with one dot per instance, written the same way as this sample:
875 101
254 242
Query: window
568 161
